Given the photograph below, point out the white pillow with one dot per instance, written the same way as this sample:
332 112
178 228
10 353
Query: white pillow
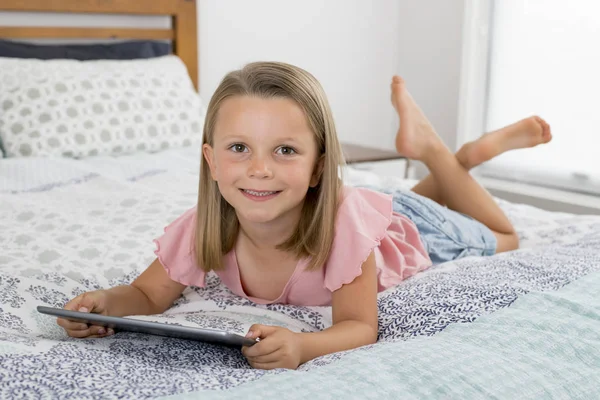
84 108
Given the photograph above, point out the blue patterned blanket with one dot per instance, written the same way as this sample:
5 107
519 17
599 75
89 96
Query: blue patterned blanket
546 345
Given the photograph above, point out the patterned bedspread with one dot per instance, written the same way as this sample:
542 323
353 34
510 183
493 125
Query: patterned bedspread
71 226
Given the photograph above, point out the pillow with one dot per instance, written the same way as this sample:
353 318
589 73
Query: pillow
114 51
84 108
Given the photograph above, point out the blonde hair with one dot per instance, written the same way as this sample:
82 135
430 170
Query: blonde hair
217 224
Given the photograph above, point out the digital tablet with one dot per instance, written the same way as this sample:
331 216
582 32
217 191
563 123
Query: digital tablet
152 328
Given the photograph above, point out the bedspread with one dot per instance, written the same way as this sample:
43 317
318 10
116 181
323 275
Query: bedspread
70 226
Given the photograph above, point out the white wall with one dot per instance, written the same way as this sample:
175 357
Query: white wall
349 45
352 46
430 43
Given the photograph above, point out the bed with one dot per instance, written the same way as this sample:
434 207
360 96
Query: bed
524 324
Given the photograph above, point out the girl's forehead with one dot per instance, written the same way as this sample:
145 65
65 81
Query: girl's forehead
278 108
272 117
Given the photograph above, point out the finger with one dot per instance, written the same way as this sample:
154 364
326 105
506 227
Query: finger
94 331
71 325
266 358
254 331
260 331
261 348
79 334
101 330
85 302
267 366
75 303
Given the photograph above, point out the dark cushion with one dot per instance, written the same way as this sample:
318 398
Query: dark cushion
114 51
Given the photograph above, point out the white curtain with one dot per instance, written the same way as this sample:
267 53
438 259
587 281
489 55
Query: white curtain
545 60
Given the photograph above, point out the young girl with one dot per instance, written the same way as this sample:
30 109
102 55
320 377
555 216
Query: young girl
276 224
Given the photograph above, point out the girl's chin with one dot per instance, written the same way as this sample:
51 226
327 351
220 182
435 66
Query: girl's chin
259 219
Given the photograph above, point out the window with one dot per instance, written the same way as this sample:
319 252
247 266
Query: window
536 57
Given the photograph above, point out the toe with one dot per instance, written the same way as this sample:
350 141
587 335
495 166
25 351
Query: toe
546 133
540 120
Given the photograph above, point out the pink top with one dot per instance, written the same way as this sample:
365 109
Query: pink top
365 223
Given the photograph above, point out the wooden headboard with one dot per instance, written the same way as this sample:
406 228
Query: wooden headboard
183 31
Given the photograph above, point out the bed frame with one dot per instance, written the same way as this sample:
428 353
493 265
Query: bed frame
183 31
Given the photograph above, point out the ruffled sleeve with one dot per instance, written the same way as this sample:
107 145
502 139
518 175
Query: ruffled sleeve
362 222
175 251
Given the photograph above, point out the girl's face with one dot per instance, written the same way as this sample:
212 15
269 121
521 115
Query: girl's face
264 158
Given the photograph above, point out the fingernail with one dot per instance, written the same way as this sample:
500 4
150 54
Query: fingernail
249 334
83 309
101 331
110 331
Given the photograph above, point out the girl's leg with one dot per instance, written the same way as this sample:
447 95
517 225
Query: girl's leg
528 132
418 140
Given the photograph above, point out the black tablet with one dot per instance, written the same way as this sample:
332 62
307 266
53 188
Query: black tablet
152 328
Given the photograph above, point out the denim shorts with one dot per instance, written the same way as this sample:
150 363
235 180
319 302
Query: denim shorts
447 234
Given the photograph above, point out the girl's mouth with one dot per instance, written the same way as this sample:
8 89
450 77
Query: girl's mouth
260 195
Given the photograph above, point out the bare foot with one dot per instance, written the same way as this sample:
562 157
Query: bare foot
416 137
528 132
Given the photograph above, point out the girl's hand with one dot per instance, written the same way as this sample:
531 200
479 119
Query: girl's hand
278 348
93 302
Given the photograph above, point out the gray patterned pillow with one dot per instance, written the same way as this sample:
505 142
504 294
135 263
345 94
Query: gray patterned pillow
84 108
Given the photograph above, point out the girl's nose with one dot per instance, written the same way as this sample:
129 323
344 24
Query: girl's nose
259 168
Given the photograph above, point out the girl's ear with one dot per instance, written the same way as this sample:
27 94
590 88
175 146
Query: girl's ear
209 156
317 172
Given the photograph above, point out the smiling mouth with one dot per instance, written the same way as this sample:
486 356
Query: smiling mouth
260 193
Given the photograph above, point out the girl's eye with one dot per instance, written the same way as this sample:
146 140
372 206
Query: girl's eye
238 148
286 151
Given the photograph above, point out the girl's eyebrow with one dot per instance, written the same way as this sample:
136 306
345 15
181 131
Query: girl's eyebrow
288 139
234 137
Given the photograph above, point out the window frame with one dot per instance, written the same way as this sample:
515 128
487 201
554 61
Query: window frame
473 104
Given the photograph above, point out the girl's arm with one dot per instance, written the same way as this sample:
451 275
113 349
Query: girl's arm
354 312
354 307
153 292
